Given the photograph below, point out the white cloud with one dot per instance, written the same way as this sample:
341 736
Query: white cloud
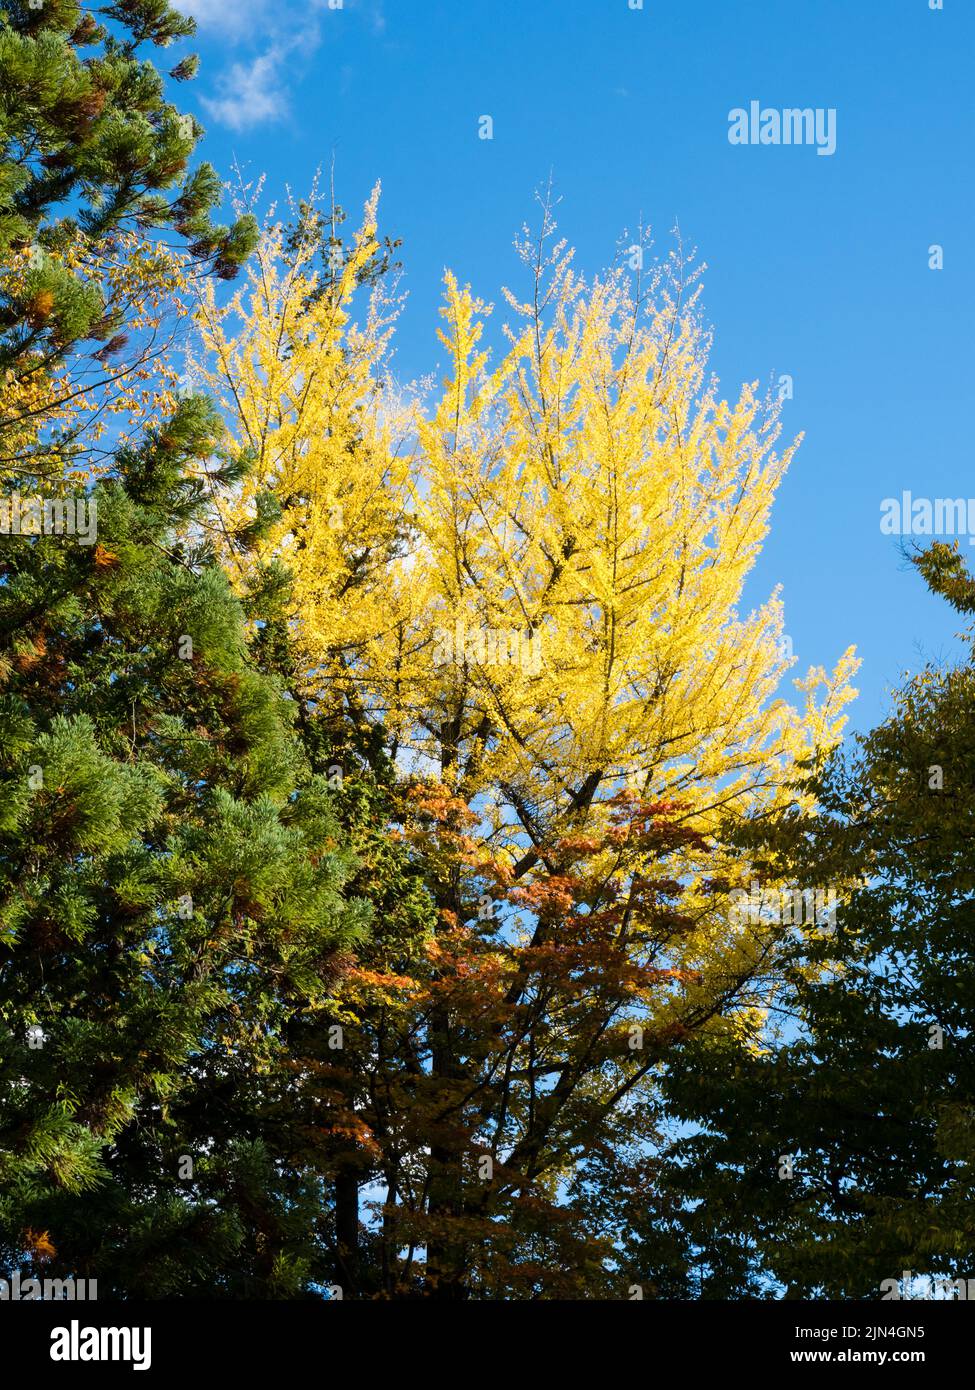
253 90
249 93
233 18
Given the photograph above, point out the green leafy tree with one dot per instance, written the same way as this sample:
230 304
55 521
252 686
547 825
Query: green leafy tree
171 904
866 1094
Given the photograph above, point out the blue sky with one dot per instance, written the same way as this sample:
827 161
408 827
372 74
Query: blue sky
818 266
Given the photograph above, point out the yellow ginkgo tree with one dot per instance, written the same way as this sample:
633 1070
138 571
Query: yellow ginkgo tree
531 584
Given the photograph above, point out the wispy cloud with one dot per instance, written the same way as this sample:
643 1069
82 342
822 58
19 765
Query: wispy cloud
249 93
233 19
254 90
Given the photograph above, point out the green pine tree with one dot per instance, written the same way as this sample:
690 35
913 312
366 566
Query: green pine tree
171 906
90 146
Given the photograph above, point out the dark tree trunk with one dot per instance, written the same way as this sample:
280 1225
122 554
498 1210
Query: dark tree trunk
347 1230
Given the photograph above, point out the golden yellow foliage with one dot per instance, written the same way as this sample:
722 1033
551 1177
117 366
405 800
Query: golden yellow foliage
534 582
62 414
300 387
